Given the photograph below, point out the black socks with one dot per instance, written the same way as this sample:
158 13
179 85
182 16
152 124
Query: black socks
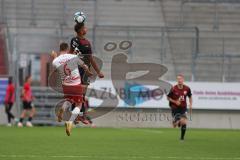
183 130
30 119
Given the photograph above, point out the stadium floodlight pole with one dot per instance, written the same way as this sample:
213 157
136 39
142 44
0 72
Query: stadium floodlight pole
16 68
33 13
181 13
195 53
216 18
64 14
95 23
2 11
162 50
223 59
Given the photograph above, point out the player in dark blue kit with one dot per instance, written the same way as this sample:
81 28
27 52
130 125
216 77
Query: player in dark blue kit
178 103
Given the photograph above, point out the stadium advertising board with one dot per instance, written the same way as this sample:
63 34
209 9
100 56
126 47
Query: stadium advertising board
3 86
205 95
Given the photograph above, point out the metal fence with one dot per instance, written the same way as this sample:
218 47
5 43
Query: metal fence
180 48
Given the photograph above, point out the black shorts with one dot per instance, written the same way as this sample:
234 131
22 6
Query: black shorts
178 113
8 104
27 105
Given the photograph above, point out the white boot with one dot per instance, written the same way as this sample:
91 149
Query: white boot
29 124
9 125
20 124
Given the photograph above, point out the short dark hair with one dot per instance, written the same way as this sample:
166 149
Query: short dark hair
180 75
10 80
27 77
63 46
78 26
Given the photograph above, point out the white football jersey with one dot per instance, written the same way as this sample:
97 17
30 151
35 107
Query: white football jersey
67 67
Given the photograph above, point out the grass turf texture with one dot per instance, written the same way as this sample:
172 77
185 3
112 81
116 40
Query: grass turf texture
45 143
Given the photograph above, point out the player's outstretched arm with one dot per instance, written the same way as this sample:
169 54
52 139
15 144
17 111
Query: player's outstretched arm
95 67
190 105
53 54
86 69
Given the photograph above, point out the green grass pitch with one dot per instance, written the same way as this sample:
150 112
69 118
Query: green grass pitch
51 143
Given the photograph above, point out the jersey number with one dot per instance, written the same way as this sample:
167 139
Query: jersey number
67 71
181 98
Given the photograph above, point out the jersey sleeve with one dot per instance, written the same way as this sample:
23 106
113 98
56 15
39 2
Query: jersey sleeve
189 94
54 65
74 44
170 93
90 49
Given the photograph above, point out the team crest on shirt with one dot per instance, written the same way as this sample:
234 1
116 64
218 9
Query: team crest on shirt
185 92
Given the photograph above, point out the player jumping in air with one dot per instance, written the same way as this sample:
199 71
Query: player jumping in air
69 106
67 67
178 103
81 46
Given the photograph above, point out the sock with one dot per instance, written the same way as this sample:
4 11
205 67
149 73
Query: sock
12 116
75 113
21 120
83 108
30 119
9 119
183 130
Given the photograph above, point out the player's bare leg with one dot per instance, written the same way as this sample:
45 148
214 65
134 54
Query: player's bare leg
175 124
61 111
31 114
60 115
176 121
75 113
33 111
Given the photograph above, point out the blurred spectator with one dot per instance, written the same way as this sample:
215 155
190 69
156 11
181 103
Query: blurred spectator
9 101
28 106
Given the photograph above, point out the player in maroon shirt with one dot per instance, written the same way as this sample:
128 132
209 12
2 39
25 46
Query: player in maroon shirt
178 103
80 45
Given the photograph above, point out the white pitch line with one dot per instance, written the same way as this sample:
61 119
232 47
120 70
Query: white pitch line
114 157
142 130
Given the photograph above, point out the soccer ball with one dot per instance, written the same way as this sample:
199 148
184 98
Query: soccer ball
79 17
